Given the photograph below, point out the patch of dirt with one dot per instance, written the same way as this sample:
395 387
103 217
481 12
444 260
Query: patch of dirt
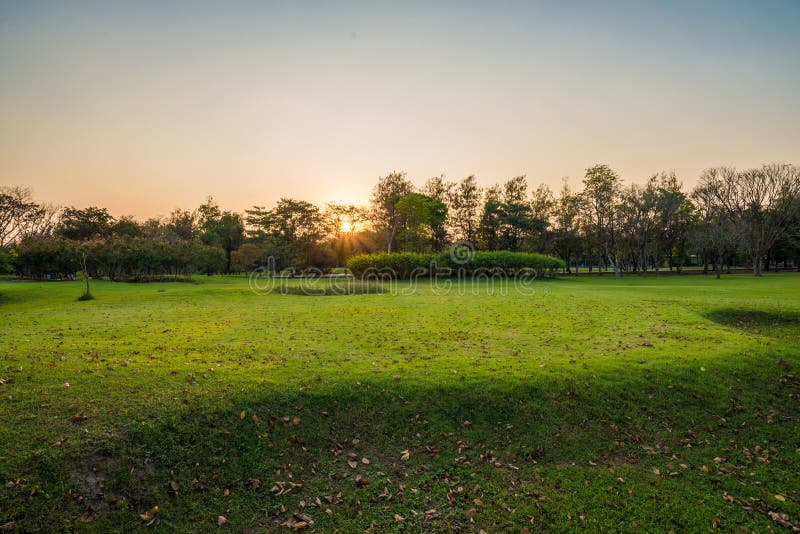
90 474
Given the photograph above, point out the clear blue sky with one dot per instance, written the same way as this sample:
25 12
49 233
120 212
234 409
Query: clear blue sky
151 105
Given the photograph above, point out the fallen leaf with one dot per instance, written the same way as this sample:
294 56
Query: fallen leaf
470 515
221 520
365 461
150 514
781 498
405 455
399 518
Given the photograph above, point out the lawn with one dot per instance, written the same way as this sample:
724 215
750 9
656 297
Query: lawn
634 405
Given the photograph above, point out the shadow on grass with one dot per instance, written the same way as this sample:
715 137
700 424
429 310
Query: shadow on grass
778 324
255 448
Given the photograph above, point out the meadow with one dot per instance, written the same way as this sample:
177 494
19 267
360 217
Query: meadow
647 404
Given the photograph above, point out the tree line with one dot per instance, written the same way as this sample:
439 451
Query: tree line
731 217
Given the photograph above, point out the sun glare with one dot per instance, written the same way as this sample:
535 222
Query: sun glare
346 225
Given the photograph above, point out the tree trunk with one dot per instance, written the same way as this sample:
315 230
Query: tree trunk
615 265
391 238
718 266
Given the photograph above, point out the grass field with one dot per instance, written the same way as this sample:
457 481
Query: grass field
635 405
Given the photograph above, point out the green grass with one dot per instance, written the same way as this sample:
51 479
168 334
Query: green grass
641 404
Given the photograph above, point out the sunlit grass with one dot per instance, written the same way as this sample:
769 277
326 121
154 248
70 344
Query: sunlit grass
645 403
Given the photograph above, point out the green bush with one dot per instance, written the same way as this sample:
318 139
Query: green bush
118 258
502 261
7 260
402 265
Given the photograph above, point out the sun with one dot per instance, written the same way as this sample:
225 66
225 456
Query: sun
346 225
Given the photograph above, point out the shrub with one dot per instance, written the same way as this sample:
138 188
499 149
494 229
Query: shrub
118 258
403 265
503 261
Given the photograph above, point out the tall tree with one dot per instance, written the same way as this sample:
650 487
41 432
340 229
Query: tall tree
343 223
385 217
515 213
717 232
87 223
182 225
542 205
567 225
126 226
465 201
762 200
22 218
637 210
441 190
602 189
295 226
422 216
673 214
490 222
224 229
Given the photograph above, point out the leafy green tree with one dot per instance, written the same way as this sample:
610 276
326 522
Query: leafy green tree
515 214
127 226
84 224
182 225
422 216
602 191
441 190
294 227
567 225
6 261
225 230
385 217
542 205
490 221
465 203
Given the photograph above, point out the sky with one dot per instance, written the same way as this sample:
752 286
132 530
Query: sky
145 106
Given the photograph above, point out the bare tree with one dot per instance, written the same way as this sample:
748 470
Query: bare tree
717 233
21 217
761 200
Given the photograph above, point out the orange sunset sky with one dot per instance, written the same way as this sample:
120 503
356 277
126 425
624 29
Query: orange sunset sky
147 106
